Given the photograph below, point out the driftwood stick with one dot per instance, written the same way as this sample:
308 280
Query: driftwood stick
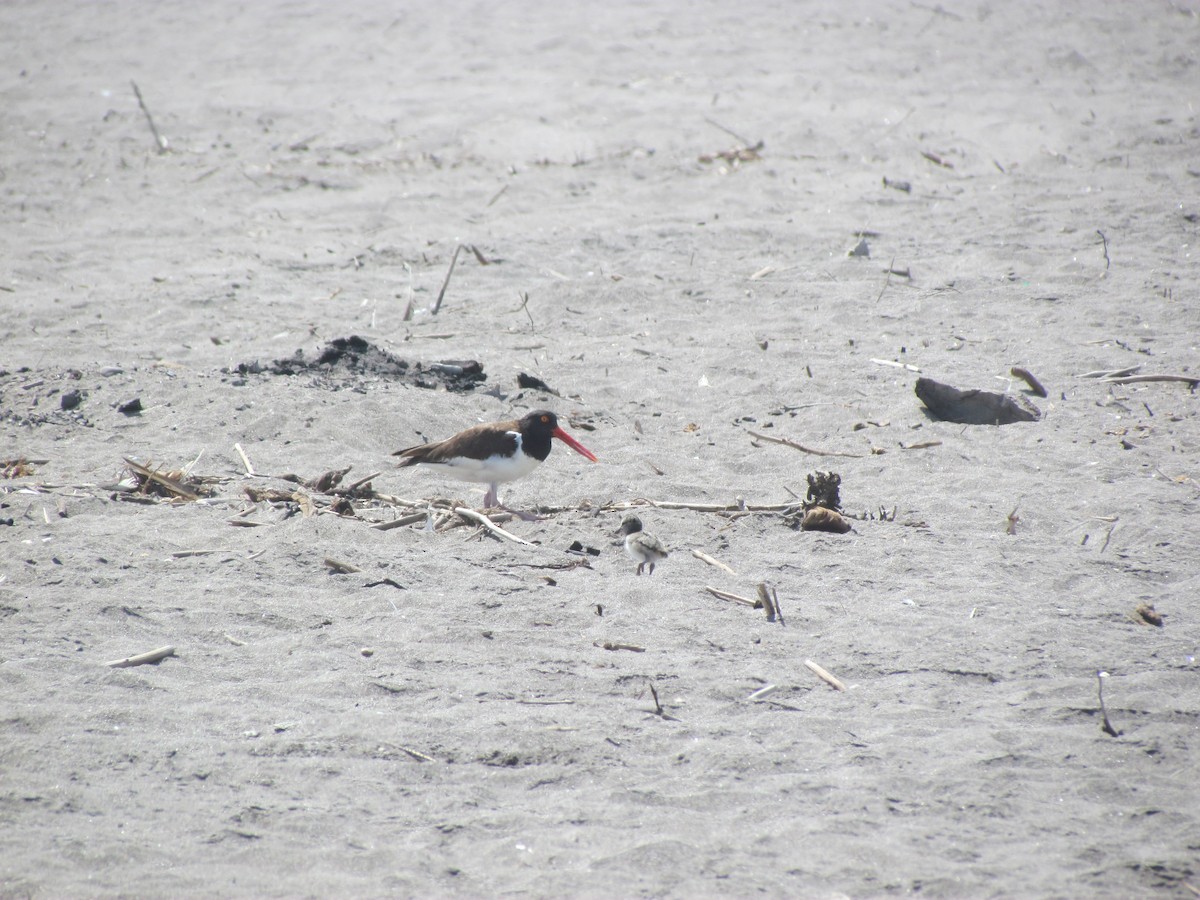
142 659
245 459
801 447
410 519
896 365
1105 373
1138 379
337 567
704 557
825 676
446 281
160 143
613 645
725 595
1027 376
491 526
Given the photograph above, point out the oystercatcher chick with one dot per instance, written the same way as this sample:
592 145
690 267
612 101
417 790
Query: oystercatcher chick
495 453
641 546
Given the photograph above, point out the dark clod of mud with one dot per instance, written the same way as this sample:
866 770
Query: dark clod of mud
354 358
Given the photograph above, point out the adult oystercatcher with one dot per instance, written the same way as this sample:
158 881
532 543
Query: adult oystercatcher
642 547
496 452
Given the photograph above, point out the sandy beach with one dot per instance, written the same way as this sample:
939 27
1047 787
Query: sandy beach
249 245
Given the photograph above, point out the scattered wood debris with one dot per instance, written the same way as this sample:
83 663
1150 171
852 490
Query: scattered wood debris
17 468
176 484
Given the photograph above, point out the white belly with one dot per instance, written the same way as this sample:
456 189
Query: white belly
493 470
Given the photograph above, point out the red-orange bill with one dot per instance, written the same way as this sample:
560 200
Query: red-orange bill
574 444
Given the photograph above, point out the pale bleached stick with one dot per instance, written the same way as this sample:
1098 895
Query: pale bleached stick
142 658
1109 373
701 555
410 519
763 692
245 459
490 525
725 595
888 362
824 676
801 447
1137 379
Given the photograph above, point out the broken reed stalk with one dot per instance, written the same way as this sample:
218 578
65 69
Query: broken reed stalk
801 447
830 680
142 659
337 567
446 281
160 143
491 526
701 555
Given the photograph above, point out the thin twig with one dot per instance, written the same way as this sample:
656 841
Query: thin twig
142 659
491 526
801 447
446 281
160 143
887 280
728 131
1138 379
725 595
1107 261
704 557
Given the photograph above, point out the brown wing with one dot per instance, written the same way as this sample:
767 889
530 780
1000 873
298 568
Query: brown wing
477 442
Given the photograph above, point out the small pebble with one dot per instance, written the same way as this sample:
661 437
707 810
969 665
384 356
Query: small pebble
367 651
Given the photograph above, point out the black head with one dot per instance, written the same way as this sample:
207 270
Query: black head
539 427
631 525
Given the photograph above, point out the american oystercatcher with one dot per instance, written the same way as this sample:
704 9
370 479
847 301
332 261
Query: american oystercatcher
642 547
496 452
